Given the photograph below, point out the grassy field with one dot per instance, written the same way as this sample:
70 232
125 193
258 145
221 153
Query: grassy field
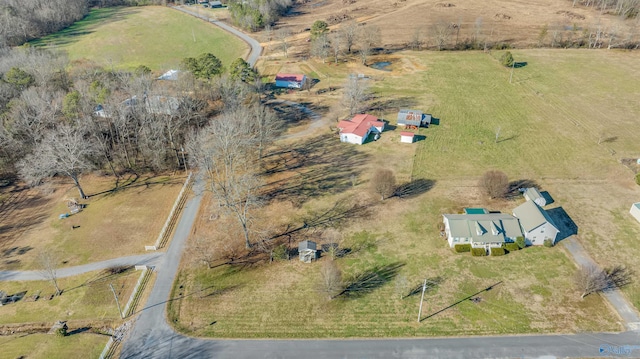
85 297
124 221
559 127
157 37
45 346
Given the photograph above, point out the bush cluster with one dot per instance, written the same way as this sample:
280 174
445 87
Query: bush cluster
461 248
478 252
521 242
548 243
497 252
511 247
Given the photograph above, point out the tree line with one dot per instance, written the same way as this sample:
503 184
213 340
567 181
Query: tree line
256 14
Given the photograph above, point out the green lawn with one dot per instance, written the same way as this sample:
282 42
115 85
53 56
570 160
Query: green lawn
45 346
158 37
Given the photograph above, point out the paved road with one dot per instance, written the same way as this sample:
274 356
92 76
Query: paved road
615 298
141 259
256 48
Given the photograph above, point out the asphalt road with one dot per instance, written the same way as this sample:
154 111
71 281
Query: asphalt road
141 259
256 48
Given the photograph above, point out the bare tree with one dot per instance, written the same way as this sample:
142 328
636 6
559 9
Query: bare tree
441 33
349 33
333 239
368 36
282 35
416 39
48 263
266 126
335 41
224 151
356 91
331 279
495 184
63 151
590 279
383 183
320 47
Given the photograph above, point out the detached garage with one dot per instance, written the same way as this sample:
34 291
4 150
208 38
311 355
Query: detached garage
635 211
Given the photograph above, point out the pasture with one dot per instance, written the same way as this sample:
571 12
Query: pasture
154 36
565 122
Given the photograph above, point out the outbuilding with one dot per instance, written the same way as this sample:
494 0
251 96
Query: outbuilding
635 211
413 118
359 127
532 194
307 251
292 81
407 137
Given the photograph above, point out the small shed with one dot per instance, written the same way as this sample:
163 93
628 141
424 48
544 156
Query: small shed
307 251
407 137
215 4
171 75
635 211
294 81
532 194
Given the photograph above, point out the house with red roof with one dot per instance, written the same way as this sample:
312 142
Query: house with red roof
357 129
292 81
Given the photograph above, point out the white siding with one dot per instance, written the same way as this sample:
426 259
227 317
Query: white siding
635 211
537 236
351 138
406 139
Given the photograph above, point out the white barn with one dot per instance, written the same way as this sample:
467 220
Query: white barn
635 211
536 224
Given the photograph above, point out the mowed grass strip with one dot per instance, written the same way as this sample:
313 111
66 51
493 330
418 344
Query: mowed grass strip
157 37
86 297
80 346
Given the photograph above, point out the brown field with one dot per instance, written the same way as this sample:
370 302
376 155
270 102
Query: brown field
113 224
516 22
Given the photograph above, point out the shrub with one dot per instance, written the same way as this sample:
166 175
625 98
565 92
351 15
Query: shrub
511 247
478 252
521 242
506 59
638 179
461 248
280 252
497 252
548 243
61 332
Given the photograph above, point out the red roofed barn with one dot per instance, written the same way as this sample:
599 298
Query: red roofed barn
358 128
294 81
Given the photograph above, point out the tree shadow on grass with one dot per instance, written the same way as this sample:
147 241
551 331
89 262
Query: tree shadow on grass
414 188
460 301
317 167
432 283
366 282
513 191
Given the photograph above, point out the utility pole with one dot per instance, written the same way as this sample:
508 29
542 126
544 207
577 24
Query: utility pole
424 288
513 66
117 301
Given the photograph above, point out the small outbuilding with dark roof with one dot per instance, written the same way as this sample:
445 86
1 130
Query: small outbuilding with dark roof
307 251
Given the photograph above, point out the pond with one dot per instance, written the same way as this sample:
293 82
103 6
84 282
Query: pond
382 65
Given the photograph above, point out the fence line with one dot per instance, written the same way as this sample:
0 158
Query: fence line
135 294
107 349
170 219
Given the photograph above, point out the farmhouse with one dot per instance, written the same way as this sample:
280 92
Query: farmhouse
481 229
413 118
536 224
357 129
635 211
407 137
532 194
293 81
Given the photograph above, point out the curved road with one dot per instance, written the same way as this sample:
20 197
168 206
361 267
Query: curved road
256 48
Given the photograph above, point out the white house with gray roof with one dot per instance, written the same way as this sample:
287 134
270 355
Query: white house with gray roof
635 211
481 230
536 223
